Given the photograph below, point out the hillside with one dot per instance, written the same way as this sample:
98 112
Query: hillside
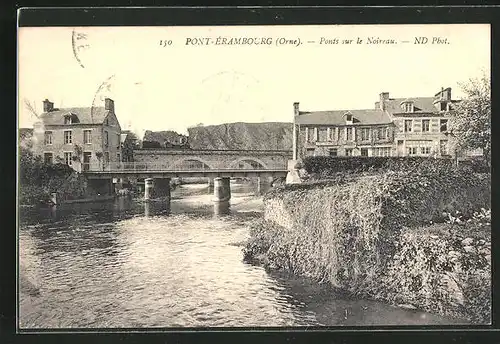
255 136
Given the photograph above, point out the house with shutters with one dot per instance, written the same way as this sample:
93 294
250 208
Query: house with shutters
415 126
81 137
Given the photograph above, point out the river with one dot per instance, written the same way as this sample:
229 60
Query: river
130 264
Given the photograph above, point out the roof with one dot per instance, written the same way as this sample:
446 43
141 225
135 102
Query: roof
86 115
420 104
368 116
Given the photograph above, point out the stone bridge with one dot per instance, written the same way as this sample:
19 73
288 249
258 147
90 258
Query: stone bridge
214 159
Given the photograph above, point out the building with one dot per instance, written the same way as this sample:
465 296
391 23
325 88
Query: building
415 126
164 139
83 137
129 142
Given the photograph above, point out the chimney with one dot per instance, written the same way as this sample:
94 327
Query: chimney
109 104
383 97
447 94
296 111
47 106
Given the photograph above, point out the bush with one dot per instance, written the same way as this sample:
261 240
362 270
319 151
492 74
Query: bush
37 180
325 166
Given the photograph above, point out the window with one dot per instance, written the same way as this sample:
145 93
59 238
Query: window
322 133
444 106
118 141
332 151
48 137
349 134
348 152
106 157
67 137
48 158
408 125
118 157
67 119
67 158
332 134
310 152
381 151
443 147
382 133
412 150
426 125
364 151
348 119
443 125
310 134
408 107
86 160
365 134
106 138
425 150
341 134
87 136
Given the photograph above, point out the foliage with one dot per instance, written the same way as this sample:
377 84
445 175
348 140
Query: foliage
326 167
471 117
38 180
78 153
444 274
151 144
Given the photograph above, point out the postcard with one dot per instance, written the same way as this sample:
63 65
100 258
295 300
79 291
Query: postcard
177 177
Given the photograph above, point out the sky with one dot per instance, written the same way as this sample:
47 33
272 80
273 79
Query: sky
180 85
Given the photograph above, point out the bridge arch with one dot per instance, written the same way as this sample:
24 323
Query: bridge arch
193 162
252 161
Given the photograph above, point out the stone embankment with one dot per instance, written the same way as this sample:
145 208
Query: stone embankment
410 240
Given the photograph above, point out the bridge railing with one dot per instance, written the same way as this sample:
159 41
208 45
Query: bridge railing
141 166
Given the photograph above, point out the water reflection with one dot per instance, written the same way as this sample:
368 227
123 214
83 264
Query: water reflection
221 208
160 207
333 308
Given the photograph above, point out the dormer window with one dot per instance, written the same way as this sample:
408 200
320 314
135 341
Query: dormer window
70 118
348 118
407 106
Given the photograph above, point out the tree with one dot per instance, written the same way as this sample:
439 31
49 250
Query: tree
471 118
31 108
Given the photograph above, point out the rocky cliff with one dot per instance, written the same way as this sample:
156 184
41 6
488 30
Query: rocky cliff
255 136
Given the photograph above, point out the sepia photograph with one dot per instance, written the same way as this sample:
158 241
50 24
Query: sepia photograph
253 176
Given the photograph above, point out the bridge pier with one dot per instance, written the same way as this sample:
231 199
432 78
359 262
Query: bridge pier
263 184
222 189
293 176
156 188
210 182
148 188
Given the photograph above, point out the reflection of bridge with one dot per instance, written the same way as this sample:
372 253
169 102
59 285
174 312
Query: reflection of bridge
158 166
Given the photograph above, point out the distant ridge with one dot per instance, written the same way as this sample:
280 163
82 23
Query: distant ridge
244 136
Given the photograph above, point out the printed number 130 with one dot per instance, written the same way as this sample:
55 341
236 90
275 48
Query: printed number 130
165 42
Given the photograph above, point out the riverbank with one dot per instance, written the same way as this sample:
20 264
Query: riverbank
376 237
